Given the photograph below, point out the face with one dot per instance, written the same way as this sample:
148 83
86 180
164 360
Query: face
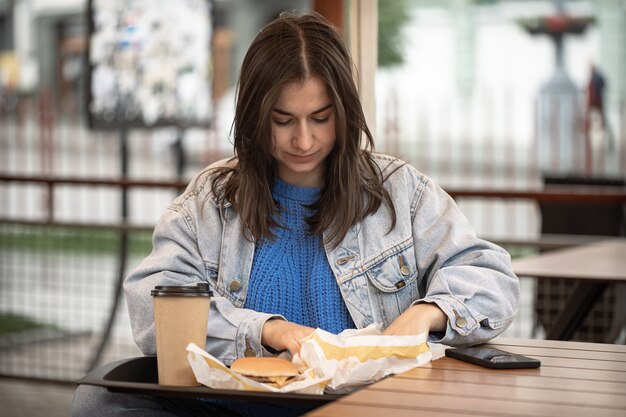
303 123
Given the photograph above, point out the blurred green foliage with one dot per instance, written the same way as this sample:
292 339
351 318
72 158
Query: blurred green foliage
72 239
393 15
10 323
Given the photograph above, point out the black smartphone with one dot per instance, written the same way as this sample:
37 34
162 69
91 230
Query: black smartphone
492 358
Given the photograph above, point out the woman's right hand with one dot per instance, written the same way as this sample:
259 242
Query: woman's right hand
284 335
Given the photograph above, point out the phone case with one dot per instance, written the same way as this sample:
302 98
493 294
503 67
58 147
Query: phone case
493 358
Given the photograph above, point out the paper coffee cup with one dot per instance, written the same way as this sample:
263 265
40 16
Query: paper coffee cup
181 316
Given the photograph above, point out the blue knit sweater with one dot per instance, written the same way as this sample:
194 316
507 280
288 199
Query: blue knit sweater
291 275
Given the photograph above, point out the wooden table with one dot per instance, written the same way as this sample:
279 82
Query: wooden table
593 265
575 379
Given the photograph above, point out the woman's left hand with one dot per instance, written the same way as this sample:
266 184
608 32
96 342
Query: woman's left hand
418 319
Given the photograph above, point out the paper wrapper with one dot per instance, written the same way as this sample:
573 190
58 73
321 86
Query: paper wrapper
355 358
329 363
214 374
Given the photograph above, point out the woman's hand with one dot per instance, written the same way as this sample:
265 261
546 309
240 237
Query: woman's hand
418 319
282 335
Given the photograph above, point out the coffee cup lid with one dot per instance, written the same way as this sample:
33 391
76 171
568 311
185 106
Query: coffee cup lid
201 289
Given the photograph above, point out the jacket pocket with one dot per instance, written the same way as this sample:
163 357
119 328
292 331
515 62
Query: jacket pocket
393 284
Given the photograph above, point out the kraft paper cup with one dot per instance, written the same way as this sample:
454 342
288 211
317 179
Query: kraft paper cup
181 316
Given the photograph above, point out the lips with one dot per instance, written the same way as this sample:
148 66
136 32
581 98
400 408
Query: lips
302 158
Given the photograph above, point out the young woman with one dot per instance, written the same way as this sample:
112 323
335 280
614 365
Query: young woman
305 227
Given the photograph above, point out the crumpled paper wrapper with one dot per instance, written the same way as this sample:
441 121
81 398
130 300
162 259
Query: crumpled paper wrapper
211 372
355 358
335 364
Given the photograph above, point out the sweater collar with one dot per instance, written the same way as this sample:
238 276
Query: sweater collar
294 192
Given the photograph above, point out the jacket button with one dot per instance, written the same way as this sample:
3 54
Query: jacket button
460 321
235 286
404 270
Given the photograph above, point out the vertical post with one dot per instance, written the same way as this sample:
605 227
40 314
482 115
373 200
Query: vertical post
46 127
364 50
8 42
179 154
122 253
559 63
124 173
331 10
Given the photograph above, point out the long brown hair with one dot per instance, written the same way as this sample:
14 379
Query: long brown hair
289 49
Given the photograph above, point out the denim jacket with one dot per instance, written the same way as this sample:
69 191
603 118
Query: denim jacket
432 255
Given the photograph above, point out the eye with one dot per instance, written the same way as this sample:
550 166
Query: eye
282 122
321 121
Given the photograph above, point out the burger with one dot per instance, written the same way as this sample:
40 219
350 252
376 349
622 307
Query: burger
275 371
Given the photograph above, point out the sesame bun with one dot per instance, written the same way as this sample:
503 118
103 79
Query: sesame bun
268 370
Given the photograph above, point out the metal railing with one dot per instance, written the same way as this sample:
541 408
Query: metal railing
66 277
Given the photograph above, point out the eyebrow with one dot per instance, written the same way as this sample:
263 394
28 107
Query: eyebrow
286 113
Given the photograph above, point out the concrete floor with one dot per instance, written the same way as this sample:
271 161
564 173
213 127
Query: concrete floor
21 398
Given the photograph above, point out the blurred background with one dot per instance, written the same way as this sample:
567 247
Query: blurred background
108 107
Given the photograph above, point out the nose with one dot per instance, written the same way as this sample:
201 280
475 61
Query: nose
302 137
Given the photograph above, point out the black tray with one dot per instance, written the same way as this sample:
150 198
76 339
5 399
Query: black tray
139 375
